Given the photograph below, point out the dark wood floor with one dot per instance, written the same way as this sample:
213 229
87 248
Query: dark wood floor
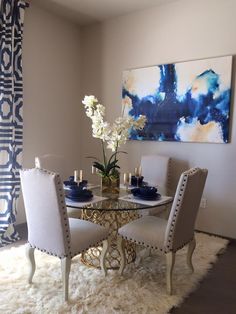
216 293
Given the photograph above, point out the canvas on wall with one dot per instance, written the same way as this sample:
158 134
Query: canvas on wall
185 102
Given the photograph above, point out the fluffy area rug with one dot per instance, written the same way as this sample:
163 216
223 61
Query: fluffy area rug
142 289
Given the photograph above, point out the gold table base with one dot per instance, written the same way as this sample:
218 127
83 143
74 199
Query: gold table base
113 220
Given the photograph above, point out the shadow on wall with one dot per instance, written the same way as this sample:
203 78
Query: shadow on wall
176 168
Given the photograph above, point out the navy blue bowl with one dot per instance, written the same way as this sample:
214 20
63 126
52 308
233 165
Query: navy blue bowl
78 191
147 190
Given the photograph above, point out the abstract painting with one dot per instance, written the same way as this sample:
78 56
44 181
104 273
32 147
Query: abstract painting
183 102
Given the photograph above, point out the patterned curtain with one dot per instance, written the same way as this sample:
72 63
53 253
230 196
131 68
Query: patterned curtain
11 122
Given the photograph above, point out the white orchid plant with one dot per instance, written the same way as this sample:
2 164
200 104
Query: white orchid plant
113 135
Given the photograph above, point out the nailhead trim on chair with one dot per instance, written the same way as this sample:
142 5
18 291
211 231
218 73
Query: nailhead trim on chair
65 219
177 208
170 238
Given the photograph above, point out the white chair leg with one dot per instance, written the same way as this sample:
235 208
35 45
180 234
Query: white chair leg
105 245
65 270
31 259
170 261
120 246
191 248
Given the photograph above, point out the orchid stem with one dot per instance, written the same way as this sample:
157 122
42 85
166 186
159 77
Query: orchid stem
104 154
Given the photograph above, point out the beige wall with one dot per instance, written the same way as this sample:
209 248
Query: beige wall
179 31
52 114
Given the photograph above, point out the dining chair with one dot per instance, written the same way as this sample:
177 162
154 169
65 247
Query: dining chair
52 162
49 228
172 235
156 172
56 163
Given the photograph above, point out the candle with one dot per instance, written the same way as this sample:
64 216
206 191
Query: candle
140 171
125 178
136 172
81 175
76 175
130 176
93 169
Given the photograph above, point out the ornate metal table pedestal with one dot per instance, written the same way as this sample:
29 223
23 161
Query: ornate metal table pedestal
113 219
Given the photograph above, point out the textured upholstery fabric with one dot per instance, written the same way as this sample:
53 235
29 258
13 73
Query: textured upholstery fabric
48 224
155 169
44 211
53 163
180 227
56 164
148 230
83 233
173 234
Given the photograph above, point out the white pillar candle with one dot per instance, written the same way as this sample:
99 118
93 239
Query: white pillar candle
130 176
125 178
76 174
140 171
81 175
93 169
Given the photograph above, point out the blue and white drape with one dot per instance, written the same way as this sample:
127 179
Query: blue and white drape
11 122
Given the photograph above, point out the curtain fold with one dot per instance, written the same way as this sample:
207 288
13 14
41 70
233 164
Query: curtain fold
11 115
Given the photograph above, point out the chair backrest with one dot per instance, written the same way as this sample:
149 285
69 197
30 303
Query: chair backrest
181 222
45 211
155 169
53 163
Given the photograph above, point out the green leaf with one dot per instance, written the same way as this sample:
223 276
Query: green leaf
99 166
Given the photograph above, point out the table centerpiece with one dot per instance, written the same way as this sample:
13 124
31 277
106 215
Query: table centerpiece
112 136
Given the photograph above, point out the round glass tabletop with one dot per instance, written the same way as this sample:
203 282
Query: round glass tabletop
123 201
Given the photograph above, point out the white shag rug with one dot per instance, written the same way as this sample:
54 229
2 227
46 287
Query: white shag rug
142 289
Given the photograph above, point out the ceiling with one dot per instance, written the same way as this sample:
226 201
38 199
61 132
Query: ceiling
85 12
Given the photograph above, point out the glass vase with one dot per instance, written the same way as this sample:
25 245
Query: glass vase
110 184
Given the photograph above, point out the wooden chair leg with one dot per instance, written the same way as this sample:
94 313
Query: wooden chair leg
65 270
191 248
170 261
31 259
120 246
105 246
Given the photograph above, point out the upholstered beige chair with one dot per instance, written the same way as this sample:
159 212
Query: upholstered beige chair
156 171
49 229
170 236
57 164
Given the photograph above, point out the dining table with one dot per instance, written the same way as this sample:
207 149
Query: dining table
113 210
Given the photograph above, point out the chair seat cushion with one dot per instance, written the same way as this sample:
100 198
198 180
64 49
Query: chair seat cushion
85 234
148 231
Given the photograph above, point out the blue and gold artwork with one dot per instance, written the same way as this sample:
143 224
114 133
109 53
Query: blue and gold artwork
183 102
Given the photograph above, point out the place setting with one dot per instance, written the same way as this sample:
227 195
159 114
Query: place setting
140 191
77 191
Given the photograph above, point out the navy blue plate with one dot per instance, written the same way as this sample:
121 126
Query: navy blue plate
155 197
80 198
